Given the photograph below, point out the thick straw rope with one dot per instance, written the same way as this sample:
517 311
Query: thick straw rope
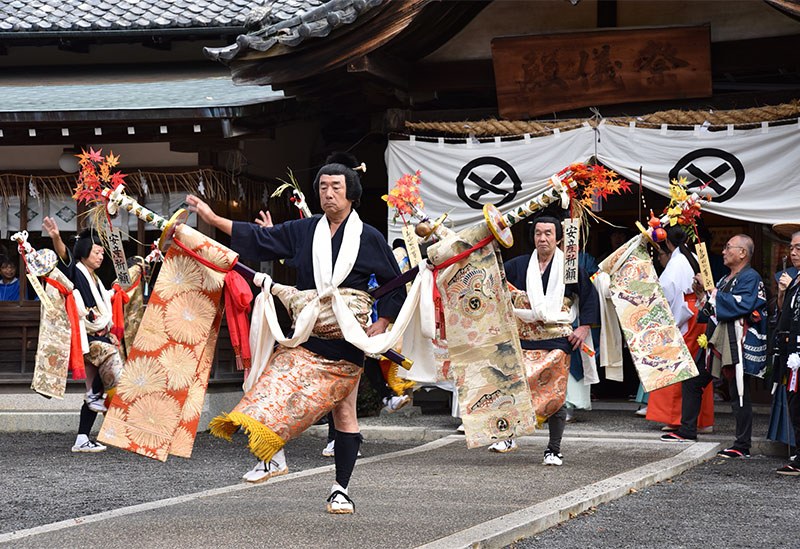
674 117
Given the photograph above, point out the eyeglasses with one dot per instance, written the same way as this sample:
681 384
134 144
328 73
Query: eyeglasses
795 248
728 247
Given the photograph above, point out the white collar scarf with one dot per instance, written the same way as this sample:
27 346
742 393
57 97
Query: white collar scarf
327 276
545 307
265 329
102 300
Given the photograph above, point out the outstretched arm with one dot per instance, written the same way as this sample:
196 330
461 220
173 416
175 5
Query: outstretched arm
205 213
50 227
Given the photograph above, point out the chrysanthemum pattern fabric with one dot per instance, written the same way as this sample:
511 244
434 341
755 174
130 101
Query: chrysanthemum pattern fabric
483 343
158 401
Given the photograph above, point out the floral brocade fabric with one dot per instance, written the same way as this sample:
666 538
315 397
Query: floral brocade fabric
484 353
108 361
326 327
655 342
547 373
297 389
159 397
134 309
537 331
52 351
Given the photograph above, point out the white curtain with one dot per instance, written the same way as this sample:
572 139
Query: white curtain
753 175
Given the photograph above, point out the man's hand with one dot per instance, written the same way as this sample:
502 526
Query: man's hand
697 285
378 327
113 339
202 209
784 282
205 213
50 227
264 219
577 337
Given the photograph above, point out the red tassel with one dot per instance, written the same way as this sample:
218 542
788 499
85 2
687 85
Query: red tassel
75 351
237 304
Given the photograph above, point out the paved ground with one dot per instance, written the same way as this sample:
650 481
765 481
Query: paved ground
720 503
408 491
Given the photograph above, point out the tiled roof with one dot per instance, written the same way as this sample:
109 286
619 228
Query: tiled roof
289 22
164 94
123 15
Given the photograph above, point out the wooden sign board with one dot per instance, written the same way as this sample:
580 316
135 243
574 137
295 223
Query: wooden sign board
543 74
705 266
572 230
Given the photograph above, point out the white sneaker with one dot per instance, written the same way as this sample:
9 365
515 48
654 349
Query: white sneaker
88 446
339 503
392 404
641 412
460 428
503 446
328 451
264 470
551 458
95 402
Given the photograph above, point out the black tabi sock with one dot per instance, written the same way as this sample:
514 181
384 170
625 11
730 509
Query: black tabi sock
347 445
97 384
87 420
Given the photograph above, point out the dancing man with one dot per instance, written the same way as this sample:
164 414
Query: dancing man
300 385
546 333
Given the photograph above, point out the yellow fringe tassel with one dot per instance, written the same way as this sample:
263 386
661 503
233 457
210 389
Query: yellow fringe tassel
263 443
110 396
397 384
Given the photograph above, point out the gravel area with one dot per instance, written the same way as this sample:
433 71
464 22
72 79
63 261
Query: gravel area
45 482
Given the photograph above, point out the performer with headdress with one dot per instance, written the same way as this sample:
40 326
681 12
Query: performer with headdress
545 326
103 363
334 256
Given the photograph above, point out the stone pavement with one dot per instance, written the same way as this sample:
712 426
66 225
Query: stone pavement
417 485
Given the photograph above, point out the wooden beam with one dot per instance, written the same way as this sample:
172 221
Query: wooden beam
606 13
790 7
393 71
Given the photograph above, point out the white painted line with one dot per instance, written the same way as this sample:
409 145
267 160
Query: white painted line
149 506
504 530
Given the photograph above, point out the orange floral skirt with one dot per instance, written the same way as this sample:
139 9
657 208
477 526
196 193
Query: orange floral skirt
547 373
297 389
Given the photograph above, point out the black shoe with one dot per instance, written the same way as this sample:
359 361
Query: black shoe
677 437
733 453
791 470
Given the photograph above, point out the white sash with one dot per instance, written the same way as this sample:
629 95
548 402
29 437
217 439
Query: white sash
327 278
102 299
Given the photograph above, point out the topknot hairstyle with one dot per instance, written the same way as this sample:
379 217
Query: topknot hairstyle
342 163
84 242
